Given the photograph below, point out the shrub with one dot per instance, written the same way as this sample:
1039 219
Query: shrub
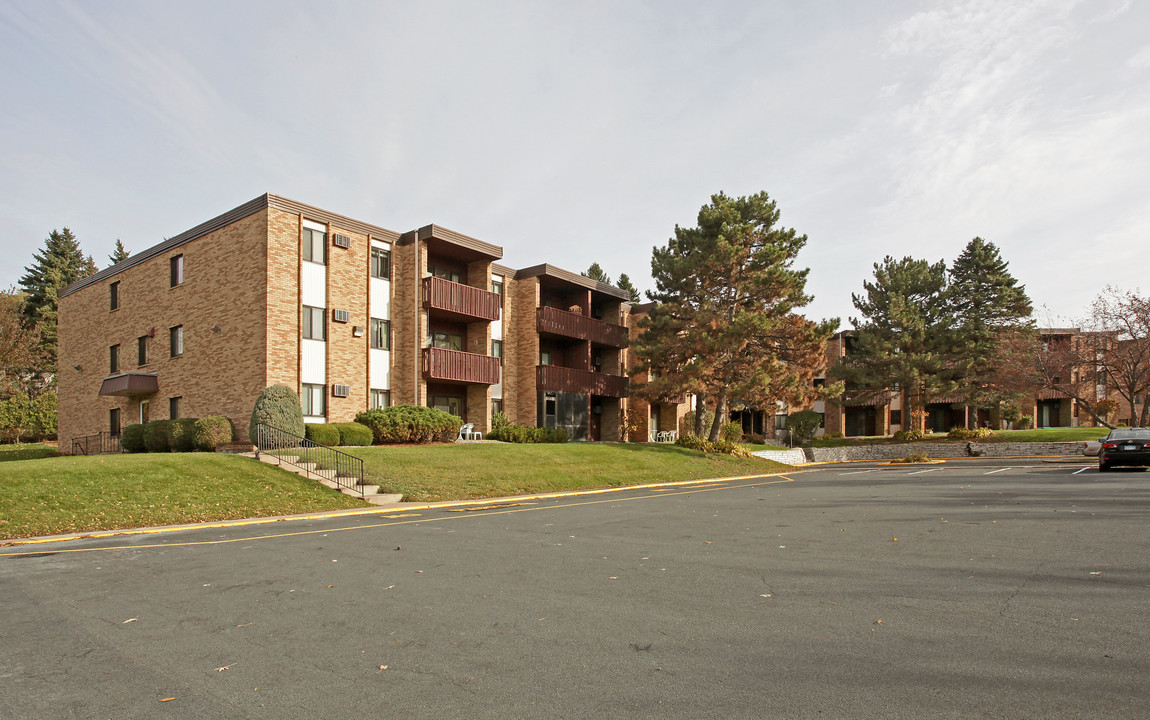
961 433
523 434
410 424
756 439
833 436
914 457
210 432
732 432
719 446
156 436
322 433
909 435
132 439
15 417
43 416
803 424
180 434
353 433
1025 422
689 422
277 406
498 420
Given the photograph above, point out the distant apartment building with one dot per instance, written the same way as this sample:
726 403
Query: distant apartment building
349 314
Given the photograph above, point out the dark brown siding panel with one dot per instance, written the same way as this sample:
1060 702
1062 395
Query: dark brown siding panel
456 366
573 325
561 379
440 294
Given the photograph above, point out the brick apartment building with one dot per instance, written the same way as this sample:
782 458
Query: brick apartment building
351 315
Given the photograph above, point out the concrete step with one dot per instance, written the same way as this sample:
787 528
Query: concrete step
384 499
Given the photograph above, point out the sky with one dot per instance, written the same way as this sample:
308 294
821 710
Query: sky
572 133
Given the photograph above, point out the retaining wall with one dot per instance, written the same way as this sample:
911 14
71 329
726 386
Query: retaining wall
942 450
794 456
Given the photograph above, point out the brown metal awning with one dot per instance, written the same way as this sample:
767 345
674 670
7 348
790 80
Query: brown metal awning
130 384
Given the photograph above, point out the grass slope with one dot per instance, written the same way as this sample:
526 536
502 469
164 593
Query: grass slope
26 451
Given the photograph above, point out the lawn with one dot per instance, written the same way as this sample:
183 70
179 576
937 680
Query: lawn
26 451
450 472
1062 434
58 495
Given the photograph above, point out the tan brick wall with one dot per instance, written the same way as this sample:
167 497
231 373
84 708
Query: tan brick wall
407 386
348 274
521 353
282 310
221 371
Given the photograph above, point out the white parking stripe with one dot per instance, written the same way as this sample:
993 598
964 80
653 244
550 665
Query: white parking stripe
995 471
1079 471
920 472
856 472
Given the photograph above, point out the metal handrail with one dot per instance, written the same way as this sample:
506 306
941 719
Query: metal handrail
336 466
105 444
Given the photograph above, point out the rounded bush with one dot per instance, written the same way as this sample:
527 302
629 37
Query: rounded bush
732 432
277 406
156 436
524 434
132 439
410 424
180 434
353 433
210 432
322 433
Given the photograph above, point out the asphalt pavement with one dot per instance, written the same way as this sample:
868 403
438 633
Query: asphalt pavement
976 589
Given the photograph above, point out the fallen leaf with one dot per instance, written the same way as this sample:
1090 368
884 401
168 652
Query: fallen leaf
130 620
167 699
225 667
381 669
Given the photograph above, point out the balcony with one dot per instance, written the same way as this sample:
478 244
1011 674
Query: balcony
456 366
573 325
468 302
561 379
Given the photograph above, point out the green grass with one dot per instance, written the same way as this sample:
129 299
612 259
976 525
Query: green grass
454 472
1066 434
26 451
59 495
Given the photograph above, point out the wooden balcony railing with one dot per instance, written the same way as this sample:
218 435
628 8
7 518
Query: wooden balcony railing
573 325
440 294
561 379
440 364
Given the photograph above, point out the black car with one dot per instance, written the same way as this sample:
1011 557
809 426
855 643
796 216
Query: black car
1125 446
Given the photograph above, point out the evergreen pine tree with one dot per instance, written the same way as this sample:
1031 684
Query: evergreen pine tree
596 273
59 264
119 254
624 283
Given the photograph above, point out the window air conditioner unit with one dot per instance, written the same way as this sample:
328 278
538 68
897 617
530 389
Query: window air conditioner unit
342 241
340 390
341 316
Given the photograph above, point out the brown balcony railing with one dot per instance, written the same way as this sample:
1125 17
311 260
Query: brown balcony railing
440 294
440 364
561 379
573 325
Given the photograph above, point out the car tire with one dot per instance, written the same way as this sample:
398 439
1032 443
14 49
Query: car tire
1103 467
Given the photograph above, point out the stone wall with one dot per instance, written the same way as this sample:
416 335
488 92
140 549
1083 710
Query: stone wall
794 456
942 450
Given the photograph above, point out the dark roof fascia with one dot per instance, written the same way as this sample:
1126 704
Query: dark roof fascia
435 232
267 200
551 271
497 269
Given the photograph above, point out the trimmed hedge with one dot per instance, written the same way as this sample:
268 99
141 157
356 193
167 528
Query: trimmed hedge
132 439
353 433
180 434
322 433
210 432
156 436
961 433
410 424
524 434
719 446
908 435
277 406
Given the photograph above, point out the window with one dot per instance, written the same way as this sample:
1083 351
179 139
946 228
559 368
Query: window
142 350
380 334
497 288
315 246
114 292
497 350
145 409
177 263
445 273
114 359
313 323
173 408
446 340
114 422
496 405
380 399
447 403
176 340
312 398
544 357
896 417
380 263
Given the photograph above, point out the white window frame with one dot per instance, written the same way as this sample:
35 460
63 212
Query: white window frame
309 316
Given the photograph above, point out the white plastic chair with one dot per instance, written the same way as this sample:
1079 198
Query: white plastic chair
466 431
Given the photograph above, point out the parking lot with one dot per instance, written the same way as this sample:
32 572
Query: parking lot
1013 589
